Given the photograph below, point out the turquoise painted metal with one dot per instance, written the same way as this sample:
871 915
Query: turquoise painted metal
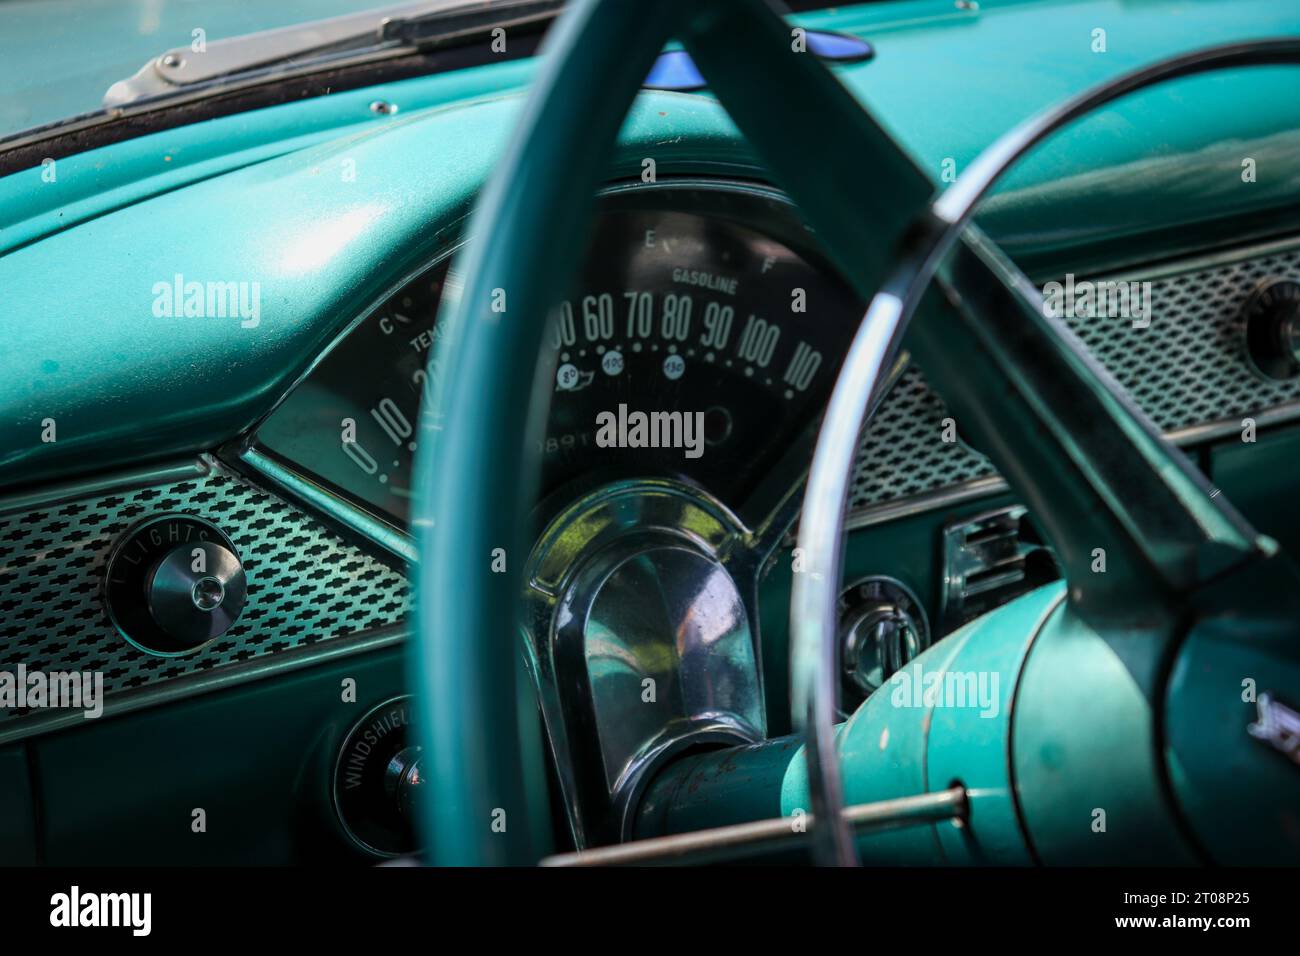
88 249
197 200
1090 781
1239 794
908 738
320 247
99 181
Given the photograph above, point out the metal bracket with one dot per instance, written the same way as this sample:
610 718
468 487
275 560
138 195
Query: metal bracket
639 637
988 560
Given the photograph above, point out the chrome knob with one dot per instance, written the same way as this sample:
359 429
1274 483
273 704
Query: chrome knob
1271 319
882 628
174 583
403 779
196 592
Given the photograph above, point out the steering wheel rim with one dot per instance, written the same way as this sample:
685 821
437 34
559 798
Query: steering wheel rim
598 54
875 347
475 815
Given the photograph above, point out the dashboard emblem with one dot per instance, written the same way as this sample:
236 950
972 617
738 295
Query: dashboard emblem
1278 725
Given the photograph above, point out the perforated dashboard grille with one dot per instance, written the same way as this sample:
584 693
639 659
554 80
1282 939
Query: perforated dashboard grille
904 454
305 585
1186 368
1189 366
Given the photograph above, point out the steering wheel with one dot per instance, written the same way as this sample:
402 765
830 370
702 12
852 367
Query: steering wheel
1187 584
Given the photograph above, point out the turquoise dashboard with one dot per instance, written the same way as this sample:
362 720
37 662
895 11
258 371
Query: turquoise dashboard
330 226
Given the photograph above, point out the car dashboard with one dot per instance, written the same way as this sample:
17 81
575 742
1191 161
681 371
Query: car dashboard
255 302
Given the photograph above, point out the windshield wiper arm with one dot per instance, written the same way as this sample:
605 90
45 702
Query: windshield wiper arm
395 30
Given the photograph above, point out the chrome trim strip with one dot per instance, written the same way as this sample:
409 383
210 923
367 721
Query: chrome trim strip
25 728
1204 261
930 501
1222 428
1190 436
372 529
102 484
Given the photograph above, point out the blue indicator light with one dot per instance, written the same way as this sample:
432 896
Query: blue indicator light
675 70
839 46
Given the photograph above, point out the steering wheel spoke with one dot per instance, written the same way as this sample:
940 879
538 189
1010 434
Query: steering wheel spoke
1099 475
791 107
1086 460
598 55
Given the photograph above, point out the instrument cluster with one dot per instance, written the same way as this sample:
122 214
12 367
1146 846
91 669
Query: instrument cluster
700 343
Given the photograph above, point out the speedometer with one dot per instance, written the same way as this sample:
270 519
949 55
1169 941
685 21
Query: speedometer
699 343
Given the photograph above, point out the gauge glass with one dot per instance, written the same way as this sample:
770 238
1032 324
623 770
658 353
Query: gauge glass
696 345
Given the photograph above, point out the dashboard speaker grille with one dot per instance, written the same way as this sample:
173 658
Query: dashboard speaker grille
904 454
305 584
1186 368
1189 366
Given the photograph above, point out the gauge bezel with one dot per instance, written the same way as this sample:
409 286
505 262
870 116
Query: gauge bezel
751 204
1270 369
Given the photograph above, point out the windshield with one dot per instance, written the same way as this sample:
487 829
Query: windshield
58 57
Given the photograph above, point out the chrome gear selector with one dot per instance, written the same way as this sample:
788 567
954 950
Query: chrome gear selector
174 583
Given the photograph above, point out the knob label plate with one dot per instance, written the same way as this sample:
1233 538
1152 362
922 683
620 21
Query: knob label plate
149 584
374 760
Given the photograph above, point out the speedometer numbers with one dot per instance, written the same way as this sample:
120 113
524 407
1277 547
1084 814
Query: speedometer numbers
684 313
351 424
753 350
